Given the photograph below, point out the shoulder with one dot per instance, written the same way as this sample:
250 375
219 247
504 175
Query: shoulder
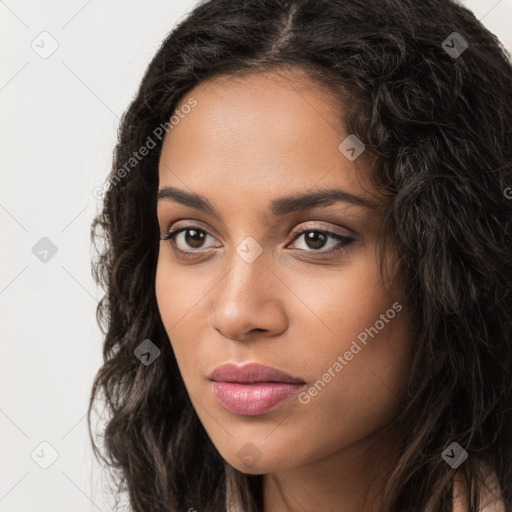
490 499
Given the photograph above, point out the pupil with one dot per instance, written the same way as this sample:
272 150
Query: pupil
315 240
196 239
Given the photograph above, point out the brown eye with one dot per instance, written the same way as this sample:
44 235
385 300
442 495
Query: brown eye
187 238
194 238
316 239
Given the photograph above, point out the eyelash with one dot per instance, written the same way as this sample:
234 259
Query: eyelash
171 235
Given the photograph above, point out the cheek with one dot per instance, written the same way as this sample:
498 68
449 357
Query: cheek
367 327
350 400
179 292
340 306
167 294
177 302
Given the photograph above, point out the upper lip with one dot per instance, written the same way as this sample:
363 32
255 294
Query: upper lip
251 372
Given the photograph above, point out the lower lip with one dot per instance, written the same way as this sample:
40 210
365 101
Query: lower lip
253 399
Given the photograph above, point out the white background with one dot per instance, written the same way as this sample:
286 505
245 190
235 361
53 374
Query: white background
58 128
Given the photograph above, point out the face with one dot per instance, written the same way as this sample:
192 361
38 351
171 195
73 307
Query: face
255 274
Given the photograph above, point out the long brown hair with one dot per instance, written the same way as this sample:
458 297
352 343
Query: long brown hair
430 96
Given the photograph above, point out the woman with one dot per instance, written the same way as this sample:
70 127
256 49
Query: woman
308 263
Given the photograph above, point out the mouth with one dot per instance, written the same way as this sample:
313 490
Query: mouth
252 389
252 373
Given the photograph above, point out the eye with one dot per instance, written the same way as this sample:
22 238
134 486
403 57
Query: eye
315 241
191 236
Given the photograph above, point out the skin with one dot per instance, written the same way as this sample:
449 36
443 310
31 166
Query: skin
248 141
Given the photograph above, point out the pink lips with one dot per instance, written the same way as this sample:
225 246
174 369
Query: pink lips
252 389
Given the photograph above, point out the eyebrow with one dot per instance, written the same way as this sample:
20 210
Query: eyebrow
278 207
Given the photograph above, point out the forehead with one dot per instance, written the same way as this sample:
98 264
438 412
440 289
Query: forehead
274 131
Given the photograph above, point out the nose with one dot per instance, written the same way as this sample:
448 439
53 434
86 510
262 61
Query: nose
249 300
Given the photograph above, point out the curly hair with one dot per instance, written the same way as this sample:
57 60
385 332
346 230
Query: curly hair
440 126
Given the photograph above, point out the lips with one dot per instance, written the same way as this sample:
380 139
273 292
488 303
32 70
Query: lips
252 389
250 373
